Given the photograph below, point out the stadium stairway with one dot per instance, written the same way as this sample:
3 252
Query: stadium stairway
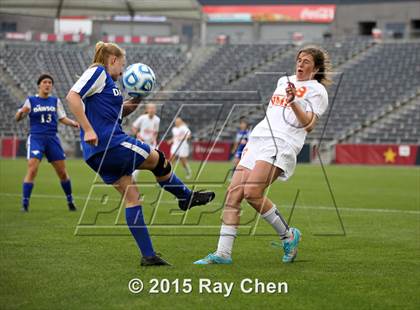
198 56
11 85
397 124
255 112
381 91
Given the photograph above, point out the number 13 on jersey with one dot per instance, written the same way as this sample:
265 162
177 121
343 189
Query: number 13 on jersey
46 118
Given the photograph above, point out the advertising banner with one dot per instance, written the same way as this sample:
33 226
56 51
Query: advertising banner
270 13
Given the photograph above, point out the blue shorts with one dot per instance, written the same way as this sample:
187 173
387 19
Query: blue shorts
38 145
120 160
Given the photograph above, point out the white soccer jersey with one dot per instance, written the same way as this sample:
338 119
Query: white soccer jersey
148 128
310 95
180 135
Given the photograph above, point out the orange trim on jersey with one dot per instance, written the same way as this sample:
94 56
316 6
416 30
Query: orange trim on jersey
281 100
300 92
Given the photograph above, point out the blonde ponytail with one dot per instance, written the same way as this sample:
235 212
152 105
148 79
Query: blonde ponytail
103 51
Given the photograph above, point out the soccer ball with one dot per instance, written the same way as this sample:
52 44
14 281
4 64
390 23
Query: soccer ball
139 80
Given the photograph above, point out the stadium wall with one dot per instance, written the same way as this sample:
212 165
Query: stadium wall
377 154
386 15
23 23
187 30
361 154
264 32
125 28
393 19
12 147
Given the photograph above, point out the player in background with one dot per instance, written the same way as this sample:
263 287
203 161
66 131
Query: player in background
271 152
98 105
146 128
241 140
44 112
180 149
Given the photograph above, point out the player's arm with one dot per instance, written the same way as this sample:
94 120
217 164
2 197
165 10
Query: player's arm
76 107
22 113
187 135
235 144
155 137
234 147
156 131
69 122
129 106
134 130
306 119
62 117
92 81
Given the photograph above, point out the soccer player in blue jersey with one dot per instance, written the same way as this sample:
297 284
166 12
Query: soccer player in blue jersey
98 105
44 113
240 141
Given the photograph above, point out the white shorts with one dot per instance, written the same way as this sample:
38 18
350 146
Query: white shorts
272 150
182 150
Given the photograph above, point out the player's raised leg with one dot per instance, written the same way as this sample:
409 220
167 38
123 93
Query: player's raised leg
261 176
135 222
162 169
28 182
231 218
60 169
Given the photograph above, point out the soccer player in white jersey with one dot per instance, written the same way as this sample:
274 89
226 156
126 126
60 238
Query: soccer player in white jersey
180 149
146 128
296 105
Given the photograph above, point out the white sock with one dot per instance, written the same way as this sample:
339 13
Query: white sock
274 218
188 169
135 174
226 239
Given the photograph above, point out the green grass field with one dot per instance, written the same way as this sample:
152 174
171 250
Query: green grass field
51 258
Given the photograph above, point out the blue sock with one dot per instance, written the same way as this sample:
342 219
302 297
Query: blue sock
66 185
176 187
27 190
137 226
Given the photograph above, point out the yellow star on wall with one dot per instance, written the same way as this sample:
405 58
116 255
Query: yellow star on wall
390 156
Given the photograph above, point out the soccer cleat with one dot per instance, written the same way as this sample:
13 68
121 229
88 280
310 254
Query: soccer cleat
197 198
153 261
25 209
290 246
212 258
71 206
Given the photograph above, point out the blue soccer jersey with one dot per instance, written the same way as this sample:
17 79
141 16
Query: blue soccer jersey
242 140
44 114
103 108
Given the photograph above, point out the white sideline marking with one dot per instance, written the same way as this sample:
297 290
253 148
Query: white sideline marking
44 196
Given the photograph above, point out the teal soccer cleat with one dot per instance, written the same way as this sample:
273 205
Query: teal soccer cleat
290 246
213 259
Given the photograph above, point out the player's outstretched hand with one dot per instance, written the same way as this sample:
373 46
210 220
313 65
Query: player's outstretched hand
75 125
291 92
91 137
